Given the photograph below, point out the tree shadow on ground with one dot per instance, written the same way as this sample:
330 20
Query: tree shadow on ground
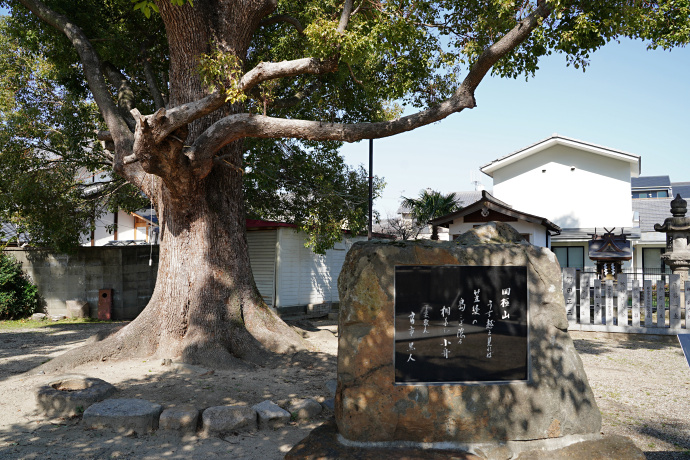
23 350
296 376
593 343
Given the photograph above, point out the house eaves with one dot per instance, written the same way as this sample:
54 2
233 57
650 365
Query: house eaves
634 160
489 202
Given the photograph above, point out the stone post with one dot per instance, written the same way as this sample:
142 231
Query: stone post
677 229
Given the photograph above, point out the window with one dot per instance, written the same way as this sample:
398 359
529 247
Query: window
651 260
570 256
651 194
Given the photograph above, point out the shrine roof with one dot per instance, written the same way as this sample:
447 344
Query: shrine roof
490 202
583 234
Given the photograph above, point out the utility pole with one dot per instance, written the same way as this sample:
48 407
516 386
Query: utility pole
371 186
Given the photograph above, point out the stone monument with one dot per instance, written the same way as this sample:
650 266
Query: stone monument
677 229
458 346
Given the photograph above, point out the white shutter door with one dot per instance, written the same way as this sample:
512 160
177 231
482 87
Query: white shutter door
262 257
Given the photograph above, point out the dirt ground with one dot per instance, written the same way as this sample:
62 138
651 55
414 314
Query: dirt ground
642 386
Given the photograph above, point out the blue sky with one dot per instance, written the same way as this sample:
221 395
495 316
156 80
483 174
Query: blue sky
629 99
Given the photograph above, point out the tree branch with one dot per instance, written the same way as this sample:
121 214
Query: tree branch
125 95
506 44
272 70
151 80
164 122
282 18
90 62
345 16
234 127
238 126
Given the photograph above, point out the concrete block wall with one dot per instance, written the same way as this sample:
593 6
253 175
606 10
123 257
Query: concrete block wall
79 276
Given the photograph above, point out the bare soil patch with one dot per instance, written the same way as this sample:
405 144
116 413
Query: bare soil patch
642 386
26 434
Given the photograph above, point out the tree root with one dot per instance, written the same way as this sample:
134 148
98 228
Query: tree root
263 336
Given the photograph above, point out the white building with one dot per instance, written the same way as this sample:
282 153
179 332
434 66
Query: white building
572 183
287 273
585 189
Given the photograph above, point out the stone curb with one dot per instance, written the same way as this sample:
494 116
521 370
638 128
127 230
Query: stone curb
71 395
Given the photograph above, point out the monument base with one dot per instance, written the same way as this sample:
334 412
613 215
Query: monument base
324 443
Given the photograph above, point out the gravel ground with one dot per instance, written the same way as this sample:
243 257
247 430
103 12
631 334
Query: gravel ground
641 383
642 386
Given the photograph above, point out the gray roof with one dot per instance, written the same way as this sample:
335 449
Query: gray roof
585 233
682 189
652 212
650 181
9 232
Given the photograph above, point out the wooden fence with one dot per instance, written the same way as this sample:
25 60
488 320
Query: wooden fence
626 305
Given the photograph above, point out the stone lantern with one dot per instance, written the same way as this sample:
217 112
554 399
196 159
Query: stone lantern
677 229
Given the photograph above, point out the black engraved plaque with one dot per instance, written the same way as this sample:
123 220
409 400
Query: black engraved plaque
457 324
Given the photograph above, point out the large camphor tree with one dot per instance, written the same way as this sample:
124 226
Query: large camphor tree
238 72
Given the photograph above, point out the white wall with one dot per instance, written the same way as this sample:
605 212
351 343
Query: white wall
537 232
303 277
125 229
596 193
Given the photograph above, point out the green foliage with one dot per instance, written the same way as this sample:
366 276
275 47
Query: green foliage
222 71
49 154
429 205
147 6
18 295
392 54
310 185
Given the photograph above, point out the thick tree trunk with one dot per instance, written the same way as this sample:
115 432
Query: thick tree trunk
205 308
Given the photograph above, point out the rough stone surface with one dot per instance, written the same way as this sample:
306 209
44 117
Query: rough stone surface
124 415
70 395
271 415
224 420
57 317
77 309
556 402
329 404
38 316
322 444
304 409
608 448
332 386
184 419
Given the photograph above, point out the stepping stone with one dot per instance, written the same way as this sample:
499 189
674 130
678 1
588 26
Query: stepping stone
271 415
184 419
124 415
303 409
39 316
329 404
332 386
70 395
224 420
